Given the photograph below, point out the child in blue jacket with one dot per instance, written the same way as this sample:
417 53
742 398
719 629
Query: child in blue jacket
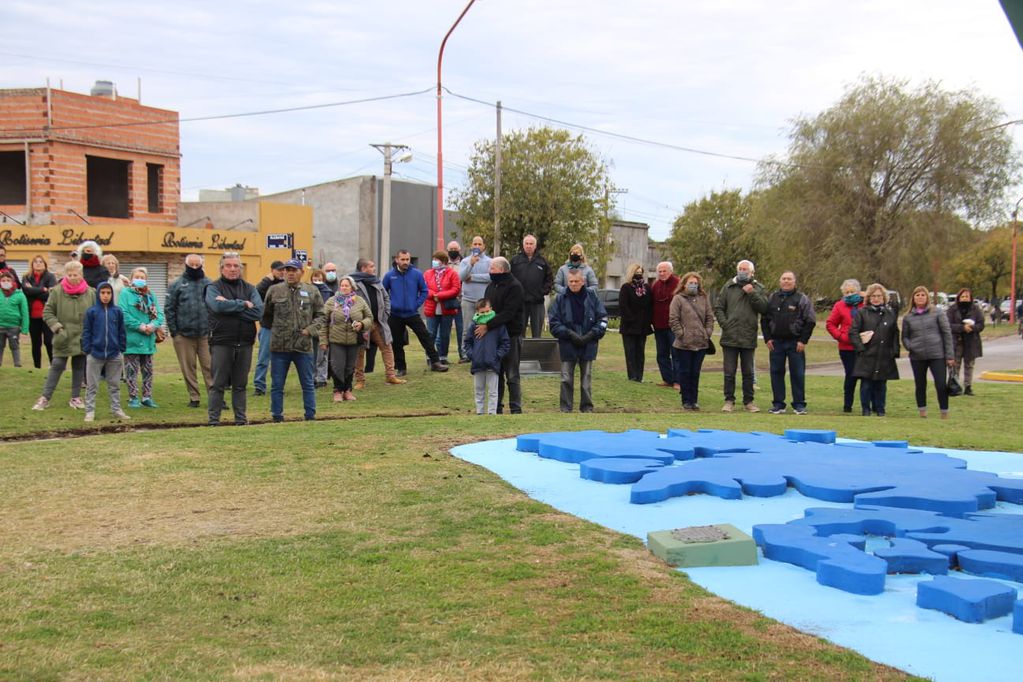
485 354
104 341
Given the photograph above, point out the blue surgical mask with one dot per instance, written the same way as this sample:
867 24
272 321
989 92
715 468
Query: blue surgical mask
435 263
138 283
331 276
692 288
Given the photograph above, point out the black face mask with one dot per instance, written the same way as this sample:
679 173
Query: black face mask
637 278
194 273
453 255
575 258
499 276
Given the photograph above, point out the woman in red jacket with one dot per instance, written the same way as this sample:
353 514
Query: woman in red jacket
443 285
838 324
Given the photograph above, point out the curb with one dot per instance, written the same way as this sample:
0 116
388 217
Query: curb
1001 376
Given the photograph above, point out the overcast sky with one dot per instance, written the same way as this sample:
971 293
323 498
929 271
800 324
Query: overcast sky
722 76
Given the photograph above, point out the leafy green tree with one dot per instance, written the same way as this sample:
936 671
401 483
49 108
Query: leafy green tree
873 186
553 185
711 235
986 268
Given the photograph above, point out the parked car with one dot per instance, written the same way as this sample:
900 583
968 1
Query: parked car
609 297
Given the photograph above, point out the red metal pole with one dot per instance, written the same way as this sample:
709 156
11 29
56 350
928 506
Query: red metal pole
440 145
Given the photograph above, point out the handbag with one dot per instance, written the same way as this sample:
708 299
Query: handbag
954 388
450 304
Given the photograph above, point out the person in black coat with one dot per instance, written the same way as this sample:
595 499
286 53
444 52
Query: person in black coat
578 320
506 298
874 334
537 280
636 306
36 284
967 322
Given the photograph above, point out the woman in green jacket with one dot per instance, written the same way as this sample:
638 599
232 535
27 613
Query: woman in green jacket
346 321
142 322
64 314
13 316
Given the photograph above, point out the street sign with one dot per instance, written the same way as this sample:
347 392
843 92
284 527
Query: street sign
278 241
302 255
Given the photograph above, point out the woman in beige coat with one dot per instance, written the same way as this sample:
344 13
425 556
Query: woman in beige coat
691 319
346 321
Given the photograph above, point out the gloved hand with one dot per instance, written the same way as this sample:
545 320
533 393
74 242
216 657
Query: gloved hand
587 338
576 339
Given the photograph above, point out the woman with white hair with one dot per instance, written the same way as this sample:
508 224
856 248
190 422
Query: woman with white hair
64 314
142 322
838 325
116 280
90 255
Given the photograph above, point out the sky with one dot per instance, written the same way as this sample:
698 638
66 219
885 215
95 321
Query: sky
726 77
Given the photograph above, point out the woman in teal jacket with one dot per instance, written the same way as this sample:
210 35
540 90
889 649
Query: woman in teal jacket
13 316
142 320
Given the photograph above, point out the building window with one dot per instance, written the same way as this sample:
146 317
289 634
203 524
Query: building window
12 178
154 174
107 186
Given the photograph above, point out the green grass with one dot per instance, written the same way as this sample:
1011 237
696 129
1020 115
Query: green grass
356 547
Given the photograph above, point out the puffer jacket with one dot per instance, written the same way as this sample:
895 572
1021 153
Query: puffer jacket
334 328
448 290
927 335
875 360
290 310
737 313
64 314
839 322
562 323
136 313
692 321
185 307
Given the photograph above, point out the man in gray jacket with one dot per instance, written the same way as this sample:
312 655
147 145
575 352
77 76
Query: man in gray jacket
368 286
737 308
185 310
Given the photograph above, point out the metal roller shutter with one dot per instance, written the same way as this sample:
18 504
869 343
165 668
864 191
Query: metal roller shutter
157 278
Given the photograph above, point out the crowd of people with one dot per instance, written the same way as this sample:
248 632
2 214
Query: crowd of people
106 326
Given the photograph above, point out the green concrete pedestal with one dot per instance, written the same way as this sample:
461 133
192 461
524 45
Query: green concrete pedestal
734 548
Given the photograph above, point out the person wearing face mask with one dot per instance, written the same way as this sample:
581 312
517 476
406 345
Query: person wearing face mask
442 288
89 255
692 324
5 266
187 320
64 314
37 284
576 262
838 324
636 306
534 274
927 335
330 277
737 309
967 322
318 278
474 270
455 263
142 321
505 295
13 316
875 335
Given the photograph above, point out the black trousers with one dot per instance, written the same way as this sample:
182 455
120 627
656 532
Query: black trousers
399 327
510 375
939 371
533 315
635 355
40 335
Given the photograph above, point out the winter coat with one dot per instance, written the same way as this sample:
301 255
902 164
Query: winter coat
185 307
876 360
505 296
486 353
561 279
407 290
534 274
64 314
562 322
789 317
136 313
636 310
448 289
95 275
34 293
969 342
4 265
369 285
663 293
103 333
692 321
231 323
927 335
475 278
290 310
839 321
736 313
264 285
334 328
14 310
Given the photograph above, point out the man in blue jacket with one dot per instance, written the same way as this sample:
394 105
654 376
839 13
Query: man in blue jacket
407 289
578 320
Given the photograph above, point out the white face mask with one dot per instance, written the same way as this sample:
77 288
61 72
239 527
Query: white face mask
6 285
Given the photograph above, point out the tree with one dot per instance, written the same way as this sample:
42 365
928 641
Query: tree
885 165
711 235
987 265
552 185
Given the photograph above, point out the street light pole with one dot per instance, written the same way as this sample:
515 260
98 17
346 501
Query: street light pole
440 144
388 150
1012 273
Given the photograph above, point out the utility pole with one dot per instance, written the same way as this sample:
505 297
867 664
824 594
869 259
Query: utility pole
497 185
388 150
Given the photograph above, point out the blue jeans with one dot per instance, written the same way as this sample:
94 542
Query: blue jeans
688 364
873 395
664 338
280 363
786 351
439 328
262 360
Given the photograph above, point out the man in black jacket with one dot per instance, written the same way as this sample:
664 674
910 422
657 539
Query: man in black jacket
505 295
234 307
276 276
787 326
537 280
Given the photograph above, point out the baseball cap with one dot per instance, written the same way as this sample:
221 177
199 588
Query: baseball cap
293 263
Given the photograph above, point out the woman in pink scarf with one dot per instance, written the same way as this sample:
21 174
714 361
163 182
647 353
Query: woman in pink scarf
64 314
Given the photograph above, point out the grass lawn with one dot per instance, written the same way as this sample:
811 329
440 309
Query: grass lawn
356 547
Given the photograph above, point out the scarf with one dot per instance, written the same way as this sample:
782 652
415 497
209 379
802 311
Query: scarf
74 290
194 274
89 260
640 289
483 318
919 311
145 303
438 274
343 303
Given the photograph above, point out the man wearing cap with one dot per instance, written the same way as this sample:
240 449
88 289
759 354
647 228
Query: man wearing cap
276 276
292 311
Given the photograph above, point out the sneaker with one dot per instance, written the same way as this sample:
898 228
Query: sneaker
688 407
134 402
395 380
348 395
463 360
90 416
776 410
338 397
119 414
800 411
438 367
359 385
259 392
41 404
76 404
148 402
729 406
923 412
193 403
751 408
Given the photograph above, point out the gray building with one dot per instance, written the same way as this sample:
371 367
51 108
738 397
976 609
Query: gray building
631 245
